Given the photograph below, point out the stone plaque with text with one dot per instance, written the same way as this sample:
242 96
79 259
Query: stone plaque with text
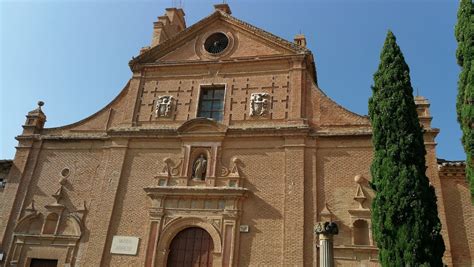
127 245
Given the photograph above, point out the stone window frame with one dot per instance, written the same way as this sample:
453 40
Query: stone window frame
231 46
210 85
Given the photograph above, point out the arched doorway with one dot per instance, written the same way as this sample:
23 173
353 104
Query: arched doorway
192 247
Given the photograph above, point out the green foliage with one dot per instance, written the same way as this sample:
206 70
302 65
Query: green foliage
405 219
465 100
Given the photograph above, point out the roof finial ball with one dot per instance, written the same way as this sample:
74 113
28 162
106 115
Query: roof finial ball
40 104
359 178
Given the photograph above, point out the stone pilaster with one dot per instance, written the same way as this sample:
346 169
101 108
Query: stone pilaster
293 232
21 172
18 181
156 221
297 84
103 206
326 231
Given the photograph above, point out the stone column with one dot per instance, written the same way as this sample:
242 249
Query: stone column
326 230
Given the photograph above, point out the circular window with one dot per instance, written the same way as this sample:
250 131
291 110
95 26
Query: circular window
216 43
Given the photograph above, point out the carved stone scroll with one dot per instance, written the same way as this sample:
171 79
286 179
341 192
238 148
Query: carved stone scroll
170 168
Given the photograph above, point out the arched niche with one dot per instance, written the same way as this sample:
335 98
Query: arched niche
30 224
172 229
360 233
71 226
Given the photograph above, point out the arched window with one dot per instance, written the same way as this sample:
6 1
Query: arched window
360 233
191 247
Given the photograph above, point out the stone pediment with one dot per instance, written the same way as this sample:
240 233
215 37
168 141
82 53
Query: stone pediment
202 126
245 41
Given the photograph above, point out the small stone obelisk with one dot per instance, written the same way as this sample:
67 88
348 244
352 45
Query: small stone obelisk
326 230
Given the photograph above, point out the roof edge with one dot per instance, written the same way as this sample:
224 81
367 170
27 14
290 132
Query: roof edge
67 126
135 62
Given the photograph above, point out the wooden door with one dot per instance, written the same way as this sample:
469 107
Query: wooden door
191 247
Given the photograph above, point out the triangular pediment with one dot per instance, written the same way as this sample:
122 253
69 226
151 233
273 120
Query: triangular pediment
245 41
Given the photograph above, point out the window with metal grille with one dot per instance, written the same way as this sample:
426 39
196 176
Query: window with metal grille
211 103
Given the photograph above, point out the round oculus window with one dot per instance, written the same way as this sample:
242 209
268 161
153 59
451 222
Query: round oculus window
216 43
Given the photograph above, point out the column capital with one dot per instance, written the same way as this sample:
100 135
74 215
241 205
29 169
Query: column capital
326 229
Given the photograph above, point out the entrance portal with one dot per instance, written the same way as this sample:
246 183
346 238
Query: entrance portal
192 247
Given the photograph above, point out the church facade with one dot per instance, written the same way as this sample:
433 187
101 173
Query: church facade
220 150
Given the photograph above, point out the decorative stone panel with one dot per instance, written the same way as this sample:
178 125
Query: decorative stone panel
54 235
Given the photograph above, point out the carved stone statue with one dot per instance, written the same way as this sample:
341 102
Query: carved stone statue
163 107
199 167
259 104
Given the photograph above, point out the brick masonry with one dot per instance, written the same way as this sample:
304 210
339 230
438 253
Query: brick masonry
126 171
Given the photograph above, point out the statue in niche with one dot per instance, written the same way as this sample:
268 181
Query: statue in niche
199 167
163 107
259 104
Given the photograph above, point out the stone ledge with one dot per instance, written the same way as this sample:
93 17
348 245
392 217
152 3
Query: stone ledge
195 191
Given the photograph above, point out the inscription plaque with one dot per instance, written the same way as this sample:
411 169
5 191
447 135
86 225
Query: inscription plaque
127 245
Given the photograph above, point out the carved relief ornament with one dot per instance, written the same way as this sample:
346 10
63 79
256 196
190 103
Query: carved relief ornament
57 226
164 105
259 104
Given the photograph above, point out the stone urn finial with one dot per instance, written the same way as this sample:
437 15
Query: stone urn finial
360 196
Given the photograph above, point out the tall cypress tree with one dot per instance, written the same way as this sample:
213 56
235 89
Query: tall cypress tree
465 100
405 219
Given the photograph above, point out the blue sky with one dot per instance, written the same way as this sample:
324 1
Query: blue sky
74 54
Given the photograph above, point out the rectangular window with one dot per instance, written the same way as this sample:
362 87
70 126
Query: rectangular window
211 103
